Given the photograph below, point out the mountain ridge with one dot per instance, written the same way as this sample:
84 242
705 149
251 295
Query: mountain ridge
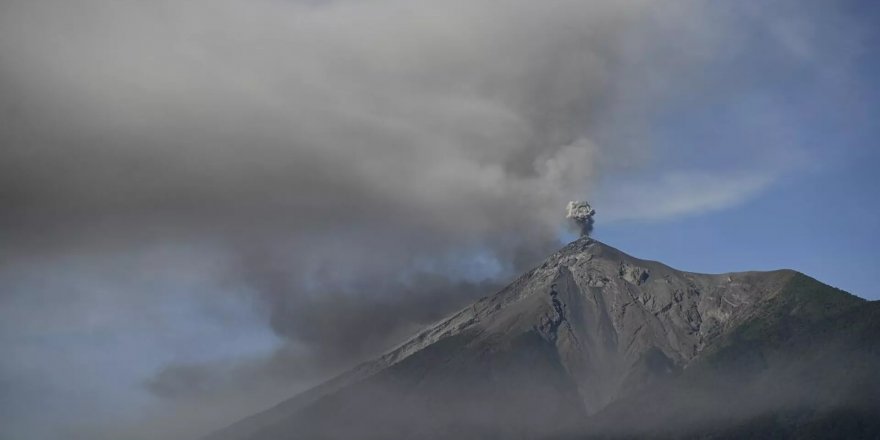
599 324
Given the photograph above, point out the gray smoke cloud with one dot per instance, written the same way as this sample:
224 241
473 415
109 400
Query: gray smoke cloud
581 214
354 146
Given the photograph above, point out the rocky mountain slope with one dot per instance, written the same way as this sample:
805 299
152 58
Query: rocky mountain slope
596 343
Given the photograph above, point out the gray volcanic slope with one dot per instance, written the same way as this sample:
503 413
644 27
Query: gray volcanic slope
596 343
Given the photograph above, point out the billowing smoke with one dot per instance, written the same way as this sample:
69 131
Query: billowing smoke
581 214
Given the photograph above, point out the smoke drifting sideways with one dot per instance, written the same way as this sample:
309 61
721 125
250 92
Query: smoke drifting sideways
581 215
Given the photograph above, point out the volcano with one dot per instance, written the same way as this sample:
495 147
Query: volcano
594 343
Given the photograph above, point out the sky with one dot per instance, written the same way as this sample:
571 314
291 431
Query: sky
208 206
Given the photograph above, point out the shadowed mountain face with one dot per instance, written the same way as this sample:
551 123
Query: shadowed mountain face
597 344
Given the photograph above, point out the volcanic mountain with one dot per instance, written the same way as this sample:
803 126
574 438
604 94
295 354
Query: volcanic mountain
594 343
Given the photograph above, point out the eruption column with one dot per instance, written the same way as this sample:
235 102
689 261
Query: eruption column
581 213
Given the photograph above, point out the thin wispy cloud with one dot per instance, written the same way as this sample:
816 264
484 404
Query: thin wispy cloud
675 195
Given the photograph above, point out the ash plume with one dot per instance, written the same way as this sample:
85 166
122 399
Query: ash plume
581 214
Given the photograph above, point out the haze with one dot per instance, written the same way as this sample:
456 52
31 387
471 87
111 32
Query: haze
207 206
